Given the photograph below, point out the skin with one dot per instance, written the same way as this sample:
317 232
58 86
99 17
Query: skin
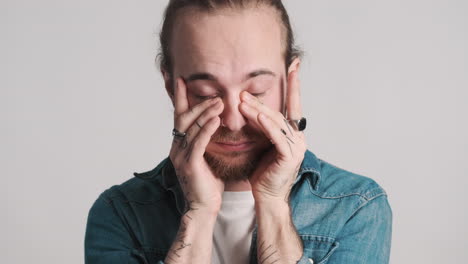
229 64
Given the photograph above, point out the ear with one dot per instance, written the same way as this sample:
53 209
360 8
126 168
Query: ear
294 66
169 84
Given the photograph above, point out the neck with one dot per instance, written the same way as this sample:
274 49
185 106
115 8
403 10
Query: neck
237 186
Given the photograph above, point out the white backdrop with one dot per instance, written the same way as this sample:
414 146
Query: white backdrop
384 87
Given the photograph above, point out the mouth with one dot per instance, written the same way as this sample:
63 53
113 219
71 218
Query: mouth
235 146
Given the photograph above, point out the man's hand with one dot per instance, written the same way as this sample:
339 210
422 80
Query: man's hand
202 190
278 241
273 179
200 186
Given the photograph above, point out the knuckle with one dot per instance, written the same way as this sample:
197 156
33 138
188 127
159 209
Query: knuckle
207 127
197 144
189 133
189 166
182 116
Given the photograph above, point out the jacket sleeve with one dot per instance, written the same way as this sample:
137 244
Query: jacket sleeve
366 236
107 240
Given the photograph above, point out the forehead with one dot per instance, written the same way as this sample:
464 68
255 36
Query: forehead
227 42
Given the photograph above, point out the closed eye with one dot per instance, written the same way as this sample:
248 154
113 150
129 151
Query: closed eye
201 97
258 94
206 97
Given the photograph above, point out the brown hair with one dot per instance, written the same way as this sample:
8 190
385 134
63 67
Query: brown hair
164 55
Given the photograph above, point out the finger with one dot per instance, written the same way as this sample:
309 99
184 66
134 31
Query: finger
293 105
185 120
273 132
282 125
200 120
215 110
255 105
252 116
180 94
204 135
192 127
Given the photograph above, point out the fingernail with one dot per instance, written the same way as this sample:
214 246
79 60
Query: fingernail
262 117
180 81
247 96
217 104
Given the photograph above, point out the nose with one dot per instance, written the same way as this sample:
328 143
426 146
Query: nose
231 116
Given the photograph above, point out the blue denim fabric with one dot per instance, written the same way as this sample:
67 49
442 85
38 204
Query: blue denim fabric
340 216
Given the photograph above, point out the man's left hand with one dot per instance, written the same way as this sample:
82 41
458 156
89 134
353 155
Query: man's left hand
275 175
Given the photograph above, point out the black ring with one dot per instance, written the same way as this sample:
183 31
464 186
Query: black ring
177 133
300 124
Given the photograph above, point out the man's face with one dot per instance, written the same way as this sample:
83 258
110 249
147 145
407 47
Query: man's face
221 54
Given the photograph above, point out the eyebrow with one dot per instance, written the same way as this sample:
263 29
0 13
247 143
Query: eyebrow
210 77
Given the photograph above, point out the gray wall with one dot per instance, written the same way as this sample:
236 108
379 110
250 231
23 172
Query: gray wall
82 106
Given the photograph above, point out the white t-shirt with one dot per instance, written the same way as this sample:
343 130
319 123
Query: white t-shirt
233 229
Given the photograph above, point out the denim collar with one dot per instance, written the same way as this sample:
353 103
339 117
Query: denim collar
310 168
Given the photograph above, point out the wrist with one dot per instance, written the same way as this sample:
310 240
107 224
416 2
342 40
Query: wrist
193 243
276 227
266 200
202 214
209 209
277 209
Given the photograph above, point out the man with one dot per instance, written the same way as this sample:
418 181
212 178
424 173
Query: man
239 185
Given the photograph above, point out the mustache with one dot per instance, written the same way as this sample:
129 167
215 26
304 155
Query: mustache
223 134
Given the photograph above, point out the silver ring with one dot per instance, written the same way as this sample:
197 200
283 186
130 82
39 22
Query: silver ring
298 124
177 133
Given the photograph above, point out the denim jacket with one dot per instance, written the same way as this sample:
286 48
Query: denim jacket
340 216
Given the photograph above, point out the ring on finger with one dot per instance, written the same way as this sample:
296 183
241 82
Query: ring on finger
298 124
177 133
196 122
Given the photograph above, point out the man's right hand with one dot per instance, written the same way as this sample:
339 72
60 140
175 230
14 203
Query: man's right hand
202 190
